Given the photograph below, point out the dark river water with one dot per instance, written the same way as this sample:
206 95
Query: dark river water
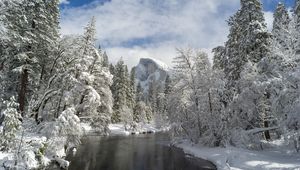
142 152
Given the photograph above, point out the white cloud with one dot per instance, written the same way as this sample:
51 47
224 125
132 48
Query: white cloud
64 2
165 24
269 19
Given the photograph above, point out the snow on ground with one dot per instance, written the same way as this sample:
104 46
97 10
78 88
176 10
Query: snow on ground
232 158
28 153
3 158
86 127
119 129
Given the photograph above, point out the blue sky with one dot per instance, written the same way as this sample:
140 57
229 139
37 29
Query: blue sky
268 4
154 28
271 4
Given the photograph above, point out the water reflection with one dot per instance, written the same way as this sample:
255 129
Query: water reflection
143 152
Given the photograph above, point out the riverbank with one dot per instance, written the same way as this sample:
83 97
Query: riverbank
232 158
35 151
32 149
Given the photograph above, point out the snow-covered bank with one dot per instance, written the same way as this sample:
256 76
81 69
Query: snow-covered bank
232 158
119 129
32 149
31 153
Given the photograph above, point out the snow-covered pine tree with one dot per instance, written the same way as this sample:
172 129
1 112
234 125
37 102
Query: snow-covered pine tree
120 90
248 43
219 58
247 25
112 69
20 59
11 125
152 97
139 92
167 92
102 83
141 111
281 38
90 93
105 62
295 29
254 29
168 85
45 20
33 34
132 90
130 94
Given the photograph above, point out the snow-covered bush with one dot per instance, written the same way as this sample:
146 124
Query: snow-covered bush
64 133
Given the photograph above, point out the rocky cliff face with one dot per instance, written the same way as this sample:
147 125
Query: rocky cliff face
151 71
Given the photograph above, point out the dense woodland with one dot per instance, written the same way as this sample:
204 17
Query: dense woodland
50 84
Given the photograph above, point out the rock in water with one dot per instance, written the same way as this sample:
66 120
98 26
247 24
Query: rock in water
62 163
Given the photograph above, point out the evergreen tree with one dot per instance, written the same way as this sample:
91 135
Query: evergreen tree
248 40
105 62
33 33
140 113
129 89
139 92
281 35
168 85
164 98
295 28
19 50
11 125
219 58
120 90
247 23
152 97
112 69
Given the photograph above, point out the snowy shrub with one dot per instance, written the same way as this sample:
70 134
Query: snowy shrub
100 124
64 132
243 139
69 125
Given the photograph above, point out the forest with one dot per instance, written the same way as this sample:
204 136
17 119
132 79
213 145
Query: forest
53 86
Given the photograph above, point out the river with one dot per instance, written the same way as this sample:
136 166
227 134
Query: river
136 152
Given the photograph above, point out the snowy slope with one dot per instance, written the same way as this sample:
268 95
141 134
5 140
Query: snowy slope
151 71
232 158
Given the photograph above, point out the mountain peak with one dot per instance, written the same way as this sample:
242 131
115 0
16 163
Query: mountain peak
149 71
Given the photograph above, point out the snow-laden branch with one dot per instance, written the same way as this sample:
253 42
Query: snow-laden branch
260 130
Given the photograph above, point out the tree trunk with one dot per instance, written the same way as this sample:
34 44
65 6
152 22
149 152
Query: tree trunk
209 100
81 101
58 105
22 91
2 65
42 75
267 132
